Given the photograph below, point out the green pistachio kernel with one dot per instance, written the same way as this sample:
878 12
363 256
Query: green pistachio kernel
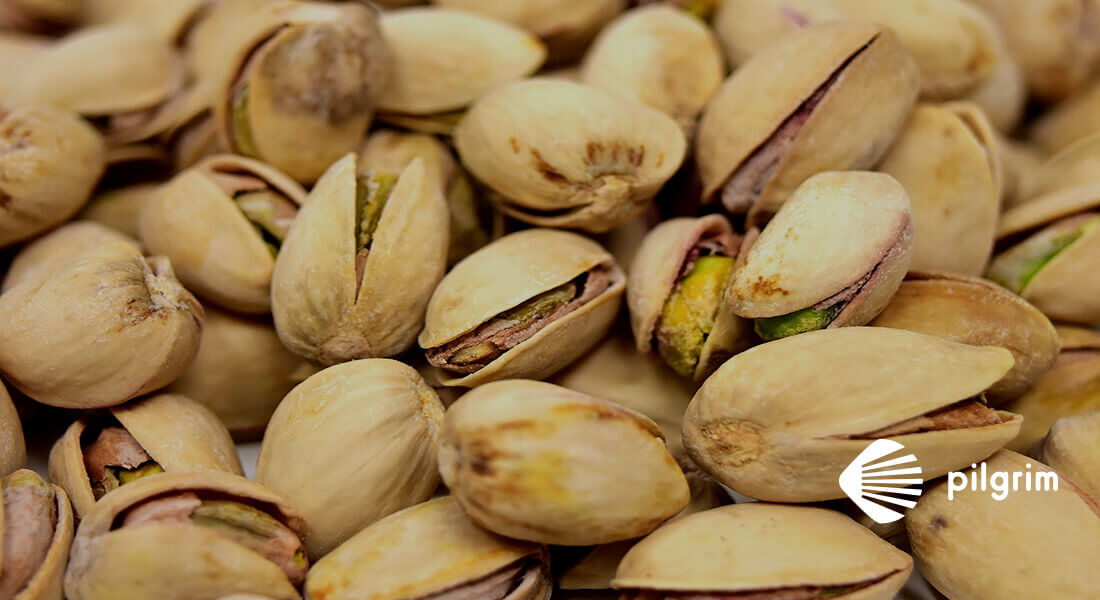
371 194
241 126
246 525
801 321
542 305
261 208
1015 268
690 311
125 476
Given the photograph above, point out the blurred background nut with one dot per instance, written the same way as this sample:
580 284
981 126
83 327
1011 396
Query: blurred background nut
164 433
170 21
432 549
1020 174
1076 164
57 249
1069 121
351 445
13 448
39 15
107 327
36 526
119 208
1003 95
535 461
1073 449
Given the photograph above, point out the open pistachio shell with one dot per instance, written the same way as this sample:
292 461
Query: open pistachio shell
60 158
781 421
1031 544
177 433
120 208
1073 449
1074 165
752 549
450 554
13 448
561 154
351 445
335 299
828 97
44 581
838 249
525 306
974 311
57 248
171 551
539 462
660 56
107 327
1069 121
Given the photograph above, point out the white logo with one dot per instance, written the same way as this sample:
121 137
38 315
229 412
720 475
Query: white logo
869 474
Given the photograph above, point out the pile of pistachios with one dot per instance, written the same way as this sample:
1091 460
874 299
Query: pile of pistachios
521 299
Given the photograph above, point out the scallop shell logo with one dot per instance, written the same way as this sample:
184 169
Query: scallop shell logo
872 480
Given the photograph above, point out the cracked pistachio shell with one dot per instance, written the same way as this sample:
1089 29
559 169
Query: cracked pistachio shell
1028 544
1069 121
562 154
508 272
58 248
45 584
851 127
753 547
836 230
766 422
13 448
1074 165
214 248
1073 449
660 56
351 445
58 162
242 372
948 171
535 461
177 562
446 59
428 549
178 433
108 327
120 208
320 310
974 311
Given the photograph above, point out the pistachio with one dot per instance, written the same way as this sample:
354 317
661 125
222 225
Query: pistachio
39 15
1003 95
764 551
1072 448
832 257
1053 532
526 305
18 50
1069 121
356 270
1021 176
535 461
13 448
836 95
781 421
561 154
170 21
36 526
58 248
1074 165
119 208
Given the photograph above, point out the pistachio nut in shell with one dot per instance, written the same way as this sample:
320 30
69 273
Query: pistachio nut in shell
57 248
351 445
16 51
1020 174
1069 121
171 21
39 15
832 257
1046 252
763 551
13 448
119 208
781 421
202 534
452 557
948 170
1073 449
1037 543
107 327
60 158
164 433
675 294
660 56
535 461
359 264
562 154
36 526
525 306
745 27
1074 165
1003 95
974 311
836 95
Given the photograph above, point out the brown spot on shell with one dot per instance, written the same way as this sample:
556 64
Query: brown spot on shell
768 287
5 199
938 522
547 170
599 154
515 145
732 442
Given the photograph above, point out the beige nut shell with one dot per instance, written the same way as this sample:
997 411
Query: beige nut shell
1073 448
13 447
57 248
45 584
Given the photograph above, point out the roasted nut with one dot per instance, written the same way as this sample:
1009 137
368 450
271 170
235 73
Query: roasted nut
119 208
526 306
36 526
1068 122
356 270
538 462
162 433
107 327
13 448
39 15
1020 174
781 421
171 21
351 445
829 97
1003 95
832 257
1073 449
1076 164
58 248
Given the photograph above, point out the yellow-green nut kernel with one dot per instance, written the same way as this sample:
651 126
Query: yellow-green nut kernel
351 445
13 447
829 97
832 257
162 433
36 524
525 306
760 550
57 249
538 462
781 421
105 328
452 557
562 154
1073 448
355 273
45 183
1053 532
